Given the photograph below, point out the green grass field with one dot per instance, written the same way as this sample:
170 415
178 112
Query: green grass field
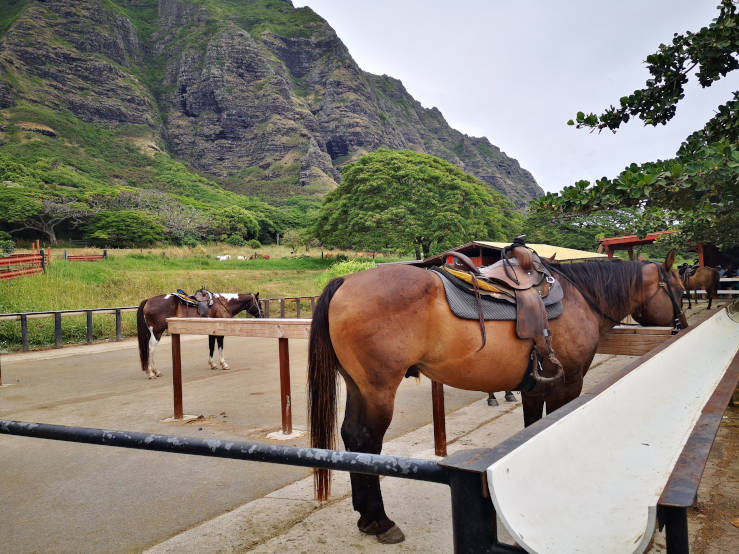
127 277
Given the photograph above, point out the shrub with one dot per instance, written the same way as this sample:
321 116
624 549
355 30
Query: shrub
7 247
236 240
254 243
340 269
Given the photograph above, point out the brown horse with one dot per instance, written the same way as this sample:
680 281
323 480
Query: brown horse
704 278
376 326
151 321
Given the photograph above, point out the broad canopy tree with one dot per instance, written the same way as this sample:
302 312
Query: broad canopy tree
43 212
402 200
697 190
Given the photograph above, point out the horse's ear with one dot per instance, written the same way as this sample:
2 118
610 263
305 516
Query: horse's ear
670 259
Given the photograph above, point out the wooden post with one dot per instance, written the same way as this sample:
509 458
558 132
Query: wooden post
57 329
43 261
437 401
24 332
88 313
177 375
266 307
282 308
118 333
285 400
297 308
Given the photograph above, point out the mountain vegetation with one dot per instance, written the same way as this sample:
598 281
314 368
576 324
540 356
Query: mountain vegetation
213 119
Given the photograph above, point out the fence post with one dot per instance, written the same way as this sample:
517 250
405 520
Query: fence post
43 261
266 307
105 254
57 329
297 308
286 402
65 254
312 305
24 332
89 326
437 401
282 307
177 375
118 333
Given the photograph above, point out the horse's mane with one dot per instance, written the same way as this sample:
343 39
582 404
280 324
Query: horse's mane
608 284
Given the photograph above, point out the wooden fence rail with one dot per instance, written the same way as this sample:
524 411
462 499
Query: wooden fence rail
284 306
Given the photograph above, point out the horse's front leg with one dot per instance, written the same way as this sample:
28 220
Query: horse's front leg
365 421
211 347
222 360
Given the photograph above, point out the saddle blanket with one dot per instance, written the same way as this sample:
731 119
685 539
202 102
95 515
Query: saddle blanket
464 305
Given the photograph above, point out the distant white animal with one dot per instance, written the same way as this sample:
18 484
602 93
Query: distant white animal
241 258
224 258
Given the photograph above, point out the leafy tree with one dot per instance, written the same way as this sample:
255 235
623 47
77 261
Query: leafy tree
124 228
405 201
699 187
583 232
40 211
234 220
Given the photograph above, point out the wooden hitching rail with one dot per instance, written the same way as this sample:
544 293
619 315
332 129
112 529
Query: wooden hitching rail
622 340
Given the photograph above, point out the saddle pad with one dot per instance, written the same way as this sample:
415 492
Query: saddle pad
464 305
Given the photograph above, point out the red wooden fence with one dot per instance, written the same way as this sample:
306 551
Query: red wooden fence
29 264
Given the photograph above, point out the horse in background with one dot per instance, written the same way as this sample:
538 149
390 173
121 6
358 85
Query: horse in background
377 326
151 321
696 278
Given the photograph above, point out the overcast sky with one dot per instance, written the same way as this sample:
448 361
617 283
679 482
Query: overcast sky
516 71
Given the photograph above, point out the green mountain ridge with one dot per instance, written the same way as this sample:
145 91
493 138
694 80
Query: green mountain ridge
207 100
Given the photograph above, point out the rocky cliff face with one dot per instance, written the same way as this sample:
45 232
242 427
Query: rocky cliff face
261 96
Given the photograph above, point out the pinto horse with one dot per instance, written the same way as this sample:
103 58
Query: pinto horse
704 278
151 322
377 326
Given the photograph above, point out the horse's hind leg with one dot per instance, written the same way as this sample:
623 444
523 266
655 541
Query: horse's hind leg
154 337
365 421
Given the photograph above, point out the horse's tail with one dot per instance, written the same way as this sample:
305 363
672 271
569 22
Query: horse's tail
144 336
323 367
716 280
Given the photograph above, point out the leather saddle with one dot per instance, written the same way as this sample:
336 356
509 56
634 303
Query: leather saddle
686 271
518 277
202 299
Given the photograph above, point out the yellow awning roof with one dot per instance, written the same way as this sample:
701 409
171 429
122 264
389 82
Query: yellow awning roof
546 251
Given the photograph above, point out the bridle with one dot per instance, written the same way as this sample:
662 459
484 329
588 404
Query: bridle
664 285
256 303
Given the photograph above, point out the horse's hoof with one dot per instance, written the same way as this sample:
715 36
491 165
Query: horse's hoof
509 397
492 402
225 366
392 536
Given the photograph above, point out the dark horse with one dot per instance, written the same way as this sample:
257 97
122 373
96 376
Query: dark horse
376 325
703 278
151 322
